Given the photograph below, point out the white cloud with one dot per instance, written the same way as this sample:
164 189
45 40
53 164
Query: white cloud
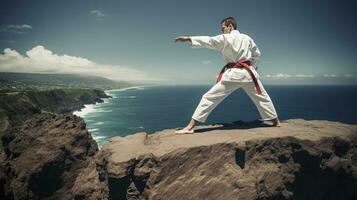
15 28
97 13
330 75
41 60
280 75
284 76
304 75
23 26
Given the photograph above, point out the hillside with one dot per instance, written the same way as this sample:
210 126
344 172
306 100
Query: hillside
14 82
15 108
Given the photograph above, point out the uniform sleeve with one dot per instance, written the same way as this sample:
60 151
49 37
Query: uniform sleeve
255 54
215 42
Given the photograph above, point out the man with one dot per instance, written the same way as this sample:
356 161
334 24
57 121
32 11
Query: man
241 55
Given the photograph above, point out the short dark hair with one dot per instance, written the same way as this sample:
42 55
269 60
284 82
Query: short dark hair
229 20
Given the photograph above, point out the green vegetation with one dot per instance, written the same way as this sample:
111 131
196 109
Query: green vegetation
17 107
21 82
23 95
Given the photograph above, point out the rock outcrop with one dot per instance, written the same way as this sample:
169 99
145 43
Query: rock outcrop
300 160
66 100
17 108
53 156
41 153
42 159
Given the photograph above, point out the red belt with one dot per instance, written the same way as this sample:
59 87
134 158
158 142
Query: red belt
241 64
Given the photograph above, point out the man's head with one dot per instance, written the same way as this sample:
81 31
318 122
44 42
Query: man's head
228 24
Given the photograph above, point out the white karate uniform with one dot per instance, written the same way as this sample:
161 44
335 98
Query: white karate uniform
234 47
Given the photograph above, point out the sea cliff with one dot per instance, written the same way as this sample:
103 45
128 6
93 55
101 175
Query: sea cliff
47 153
19 106
244 160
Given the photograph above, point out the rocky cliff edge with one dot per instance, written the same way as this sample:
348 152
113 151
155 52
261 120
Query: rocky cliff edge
243 160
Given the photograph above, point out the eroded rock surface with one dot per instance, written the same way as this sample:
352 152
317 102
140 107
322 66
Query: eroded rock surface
300 160
42 159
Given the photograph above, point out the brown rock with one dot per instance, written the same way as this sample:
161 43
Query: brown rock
300 160
44 156
54 157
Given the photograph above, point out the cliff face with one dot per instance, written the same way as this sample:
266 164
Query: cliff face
300 160
41 152
64 101
53 156
42 159
16 108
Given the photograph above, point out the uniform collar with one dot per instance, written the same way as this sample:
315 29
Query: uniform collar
234 32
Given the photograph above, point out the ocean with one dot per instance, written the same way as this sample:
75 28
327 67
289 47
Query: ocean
154 108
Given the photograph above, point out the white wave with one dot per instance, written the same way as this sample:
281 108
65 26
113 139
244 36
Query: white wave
106 100
98 123
140 88
99 138
91 108
88 108
132 97
92 129
100 110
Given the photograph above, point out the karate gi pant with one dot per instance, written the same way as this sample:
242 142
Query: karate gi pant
224 88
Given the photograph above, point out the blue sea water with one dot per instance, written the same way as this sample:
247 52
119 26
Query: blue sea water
154 108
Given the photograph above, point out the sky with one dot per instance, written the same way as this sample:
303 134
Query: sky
302 42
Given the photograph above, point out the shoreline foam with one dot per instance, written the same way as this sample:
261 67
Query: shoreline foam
90 108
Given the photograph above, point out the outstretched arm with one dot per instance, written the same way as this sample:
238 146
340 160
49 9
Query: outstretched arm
215 42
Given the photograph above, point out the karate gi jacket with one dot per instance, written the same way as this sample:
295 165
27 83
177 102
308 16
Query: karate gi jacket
234 47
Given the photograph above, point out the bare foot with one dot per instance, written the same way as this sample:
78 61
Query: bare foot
186 130
189 128
276 122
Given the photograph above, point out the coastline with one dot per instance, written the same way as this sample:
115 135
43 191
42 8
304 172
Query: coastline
89 107
126 88
257 161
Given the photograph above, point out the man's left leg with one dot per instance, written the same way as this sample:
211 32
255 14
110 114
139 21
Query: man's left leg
208 102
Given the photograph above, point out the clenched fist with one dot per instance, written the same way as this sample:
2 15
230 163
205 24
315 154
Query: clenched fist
182 39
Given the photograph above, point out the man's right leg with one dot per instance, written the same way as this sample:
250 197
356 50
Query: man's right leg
212 98
209 101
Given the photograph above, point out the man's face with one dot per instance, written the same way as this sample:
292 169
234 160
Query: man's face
226 29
